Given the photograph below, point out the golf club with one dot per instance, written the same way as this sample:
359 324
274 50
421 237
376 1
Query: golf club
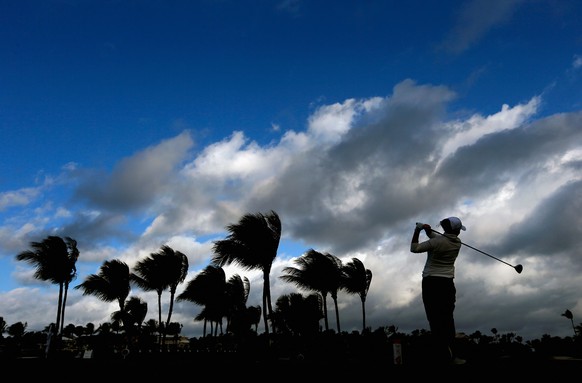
518 268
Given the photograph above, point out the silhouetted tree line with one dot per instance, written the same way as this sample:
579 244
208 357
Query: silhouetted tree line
291 329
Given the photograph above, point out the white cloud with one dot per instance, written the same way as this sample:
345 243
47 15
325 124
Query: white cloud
20 197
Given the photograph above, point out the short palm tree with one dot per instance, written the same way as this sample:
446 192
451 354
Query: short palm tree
320 273
159 271
568 314
207 289
110 284
356 279
299 315
252 243
254 316
150 327
135 310
236 295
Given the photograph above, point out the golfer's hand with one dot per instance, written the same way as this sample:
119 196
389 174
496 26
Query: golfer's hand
421 226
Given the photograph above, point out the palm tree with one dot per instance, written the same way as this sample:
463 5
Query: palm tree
333 279
72 260
159 271
356 280
207 289
207 315
110 284
174 329
3 325
237 293
298 315
254 316
17 329
135 312
317 272
252 243
220 298
147 276
150 327
175 268
55 261
568 314
89 328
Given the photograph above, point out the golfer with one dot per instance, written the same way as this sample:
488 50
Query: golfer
438 287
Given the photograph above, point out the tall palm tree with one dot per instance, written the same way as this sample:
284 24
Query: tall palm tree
55 259
110 284
333 279
252 243
72 261
147 275
317 272
175 268
357 280
159 271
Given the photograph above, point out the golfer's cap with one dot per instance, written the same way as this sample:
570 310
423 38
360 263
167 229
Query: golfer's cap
456 223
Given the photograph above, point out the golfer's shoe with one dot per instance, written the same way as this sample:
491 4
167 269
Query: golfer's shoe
457 361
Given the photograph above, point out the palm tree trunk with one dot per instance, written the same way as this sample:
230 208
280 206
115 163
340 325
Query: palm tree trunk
172 294
160 323
325 312
337 319
363 314
59 309
64 306
265 303
268 296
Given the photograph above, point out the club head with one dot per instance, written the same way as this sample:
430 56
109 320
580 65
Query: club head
518 268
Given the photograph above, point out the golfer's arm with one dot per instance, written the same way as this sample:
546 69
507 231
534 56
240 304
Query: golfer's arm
414 241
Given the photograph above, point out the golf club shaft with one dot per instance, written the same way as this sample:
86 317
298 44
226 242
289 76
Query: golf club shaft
482 252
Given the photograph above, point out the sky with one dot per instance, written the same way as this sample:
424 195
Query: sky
129 125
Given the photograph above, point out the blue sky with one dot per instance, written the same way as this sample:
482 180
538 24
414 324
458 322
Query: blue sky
129 125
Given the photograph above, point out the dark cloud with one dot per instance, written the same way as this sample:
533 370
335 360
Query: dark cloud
139 180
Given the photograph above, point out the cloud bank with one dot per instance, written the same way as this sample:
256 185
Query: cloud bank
353 184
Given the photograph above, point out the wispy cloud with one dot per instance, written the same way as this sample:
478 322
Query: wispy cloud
475 19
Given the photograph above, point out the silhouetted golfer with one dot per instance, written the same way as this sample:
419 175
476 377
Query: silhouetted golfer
438 287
